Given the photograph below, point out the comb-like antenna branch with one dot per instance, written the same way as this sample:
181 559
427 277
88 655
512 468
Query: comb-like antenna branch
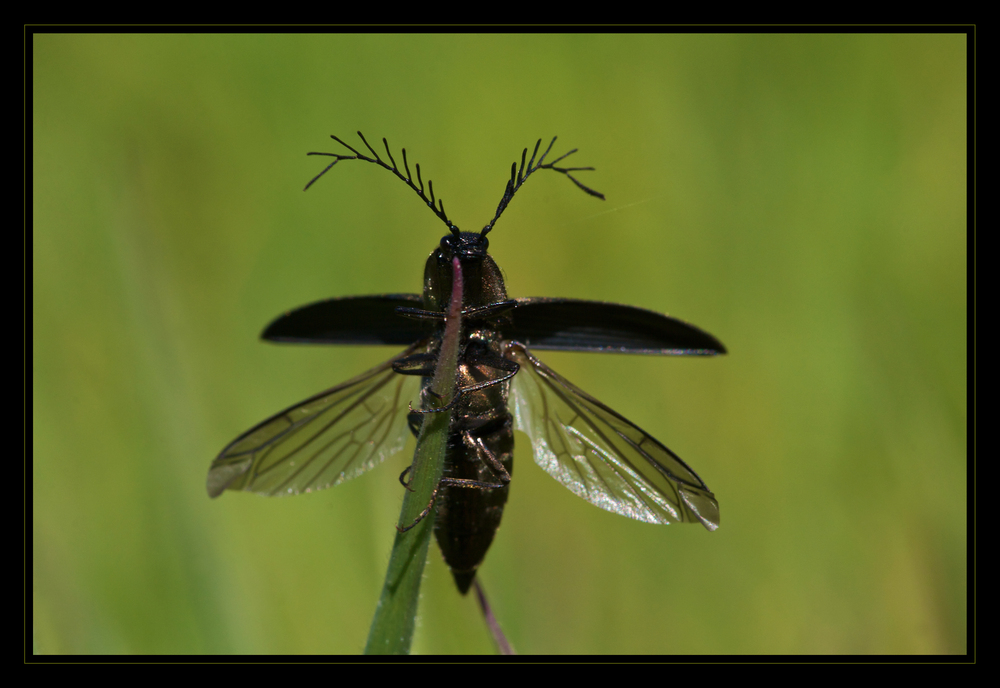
518 177
437 209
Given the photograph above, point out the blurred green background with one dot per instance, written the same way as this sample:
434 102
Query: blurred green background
802 197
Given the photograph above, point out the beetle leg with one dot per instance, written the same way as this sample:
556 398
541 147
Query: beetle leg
490 310
420 517
481 449
415 364
415 422
419 313
454 482
402 481
477 312
493 361
478 444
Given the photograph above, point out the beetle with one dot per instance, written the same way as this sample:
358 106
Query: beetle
594 451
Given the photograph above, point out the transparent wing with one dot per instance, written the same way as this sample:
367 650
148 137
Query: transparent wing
600 455
325 440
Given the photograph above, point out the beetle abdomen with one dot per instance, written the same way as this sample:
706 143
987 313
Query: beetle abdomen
467 519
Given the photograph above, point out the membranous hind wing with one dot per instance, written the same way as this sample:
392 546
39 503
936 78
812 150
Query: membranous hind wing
323 441
600 455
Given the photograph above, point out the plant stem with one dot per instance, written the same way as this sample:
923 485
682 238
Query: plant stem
395 617
392 628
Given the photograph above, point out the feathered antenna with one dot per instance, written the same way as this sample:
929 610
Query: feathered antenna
438 209
517 178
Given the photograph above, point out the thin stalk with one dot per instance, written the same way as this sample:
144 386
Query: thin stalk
499 639
395 617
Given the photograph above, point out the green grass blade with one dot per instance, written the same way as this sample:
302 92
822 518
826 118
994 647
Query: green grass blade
392 628
395 616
